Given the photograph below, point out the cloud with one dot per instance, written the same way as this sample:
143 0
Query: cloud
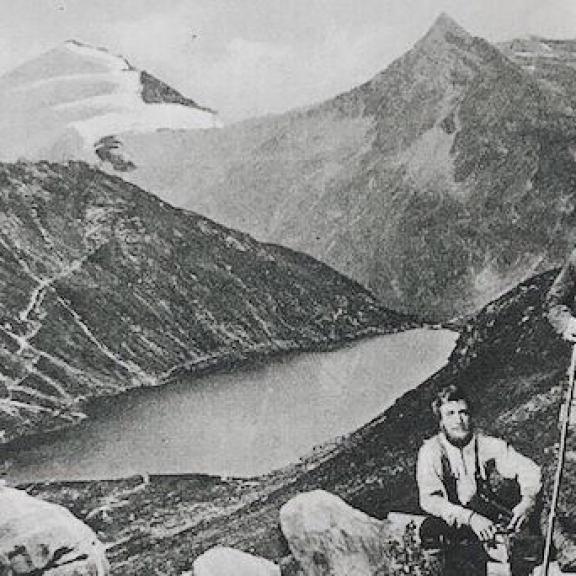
234 70
251 57
152 39
254 77
249 78
6 56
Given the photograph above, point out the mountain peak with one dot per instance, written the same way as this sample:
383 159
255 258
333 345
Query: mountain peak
445 27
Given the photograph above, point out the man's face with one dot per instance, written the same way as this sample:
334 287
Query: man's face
455 421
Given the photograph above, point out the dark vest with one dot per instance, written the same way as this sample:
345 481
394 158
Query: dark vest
485 501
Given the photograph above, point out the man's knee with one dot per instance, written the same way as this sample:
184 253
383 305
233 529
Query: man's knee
460 549
434 533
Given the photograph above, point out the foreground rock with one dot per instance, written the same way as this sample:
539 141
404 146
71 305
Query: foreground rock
329 537
224 561
37 537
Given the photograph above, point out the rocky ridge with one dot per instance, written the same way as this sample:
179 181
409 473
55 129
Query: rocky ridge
551 62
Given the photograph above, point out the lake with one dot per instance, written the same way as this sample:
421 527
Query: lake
243 423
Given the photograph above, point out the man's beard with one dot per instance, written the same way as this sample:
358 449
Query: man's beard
458 441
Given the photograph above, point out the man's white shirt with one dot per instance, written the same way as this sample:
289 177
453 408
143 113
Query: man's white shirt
508 462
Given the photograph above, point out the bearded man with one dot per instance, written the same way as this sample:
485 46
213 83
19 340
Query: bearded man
455 473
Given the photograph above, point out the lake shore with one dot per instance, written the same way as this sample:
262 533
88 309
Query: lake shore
242 423
237 360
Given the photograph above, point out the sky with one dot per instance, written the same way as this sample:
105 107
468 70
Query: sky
253 57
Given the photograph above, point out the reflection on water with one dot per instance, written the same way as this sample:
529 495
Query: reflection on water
244 423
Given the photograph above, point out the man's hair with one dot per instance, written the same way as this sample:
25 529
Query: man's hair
449 393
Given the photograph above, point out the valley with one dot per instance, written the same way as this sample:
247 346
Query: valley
105 288
199 321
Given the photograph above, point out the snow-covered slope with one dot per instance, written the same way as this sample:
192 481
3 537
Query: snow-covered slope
66 101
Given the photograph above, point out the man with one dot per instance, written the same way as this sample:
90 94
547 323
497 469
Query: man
560 300
453 475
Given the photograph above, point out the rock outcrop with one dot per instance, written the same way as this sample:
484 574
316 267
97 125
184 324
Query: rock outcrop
224 561
38 537
329 537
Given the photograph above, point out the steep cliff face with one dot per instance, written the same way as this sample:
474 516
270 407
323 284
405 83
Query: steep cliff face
105 287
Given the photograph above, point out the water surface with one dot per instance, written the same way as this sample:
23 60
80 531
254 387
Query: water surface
243 423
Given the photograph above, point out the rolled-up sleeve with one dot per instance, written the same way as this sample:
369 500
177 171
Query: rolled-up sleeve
560 297
432 492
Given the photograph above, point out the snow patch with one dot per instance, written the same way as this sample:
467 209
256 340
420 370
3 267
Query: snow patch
94 95
490 283
115 62
123 110
525 54
142 118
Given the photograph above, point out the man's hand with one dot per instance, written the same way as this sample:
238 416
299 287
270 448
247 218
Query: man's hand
569 333
484 528
520 514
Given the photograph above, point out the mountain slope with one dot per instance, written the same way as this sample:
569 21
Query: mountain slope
61 105
104 287
511 364
551 62
439 184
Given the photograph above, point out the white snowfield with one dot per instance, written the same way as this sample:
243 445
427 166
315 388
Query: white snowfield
61 104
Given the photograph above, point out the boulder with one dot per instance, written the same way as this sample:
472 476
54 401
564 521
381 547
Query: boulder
37 537
224 561
330 538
